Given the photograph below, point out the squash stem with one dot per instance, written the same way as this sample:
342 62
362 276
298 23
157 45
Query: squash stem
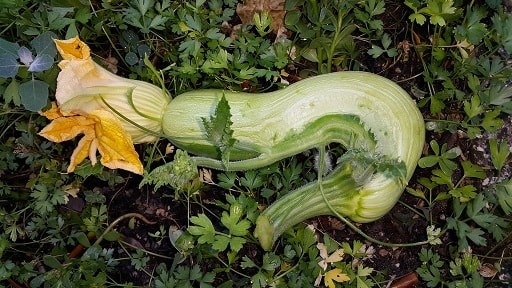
306 202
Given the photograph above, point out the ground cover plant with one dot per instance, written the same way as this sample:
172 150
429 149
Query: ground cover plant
181 225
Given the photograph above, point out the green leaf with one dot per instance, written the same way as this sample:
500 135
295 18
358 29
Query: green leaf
464 193
438 10
237 243
51 262
43 44
82 239
112 236
220 242
34 94
252 180
236 227
176 174
218 129
12 93
9 48
8 66
475 235
376 51
499 154
416 192
441 177
491 122
270 262
247 263
428 161
475 206
472 29
203 228
504 194
473 108
472 170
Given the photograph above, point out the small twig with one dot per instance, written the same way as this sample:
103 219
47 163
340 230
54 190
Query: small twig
408 281
14 284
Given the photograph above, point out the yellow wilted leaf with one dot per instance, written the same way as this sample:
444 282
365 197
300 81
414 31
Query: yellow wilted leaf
335 256
335 275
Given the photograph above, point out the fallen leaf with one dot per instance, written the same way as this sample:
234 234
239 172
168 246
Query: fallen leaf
488 270
335 275
275 9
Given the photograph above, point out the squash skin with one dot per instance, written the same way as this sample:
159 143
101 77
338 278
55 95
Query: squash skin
366 113
263 122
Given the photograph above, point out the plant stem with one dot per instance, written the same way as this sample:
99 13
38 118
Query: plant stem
121 218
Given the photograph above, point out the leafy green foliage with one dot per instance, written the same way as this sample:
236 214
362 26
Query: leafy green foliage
499 153
503 192
430 269
183 276
438 11
377 50
33 93
237 229
178 174
442 157
463 49
476 211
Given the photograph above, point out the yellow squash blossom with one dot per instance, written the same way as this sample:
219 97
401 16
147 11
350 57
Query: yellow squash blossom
104 108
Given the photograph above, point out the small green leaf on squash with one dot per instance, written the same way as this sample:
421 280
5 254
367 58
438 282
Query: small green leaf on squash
218 129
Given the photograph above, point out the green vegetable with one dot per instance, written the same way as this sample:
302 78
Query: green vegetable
371 117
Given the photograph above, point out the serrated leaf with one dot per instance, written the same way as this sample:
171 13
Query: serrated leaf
335 275
220 243
34 94
416 193
270 262
490 122
472 170
8 66
177 173
476 205
504 194
475 235
237 243
499 153
218 129
247 263
203 228
473 108
41 63
82 15
157 22
464 193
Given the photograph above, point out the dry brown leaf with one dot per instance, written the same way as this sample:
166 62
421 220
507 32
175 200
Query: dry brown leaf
275 9
488 270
